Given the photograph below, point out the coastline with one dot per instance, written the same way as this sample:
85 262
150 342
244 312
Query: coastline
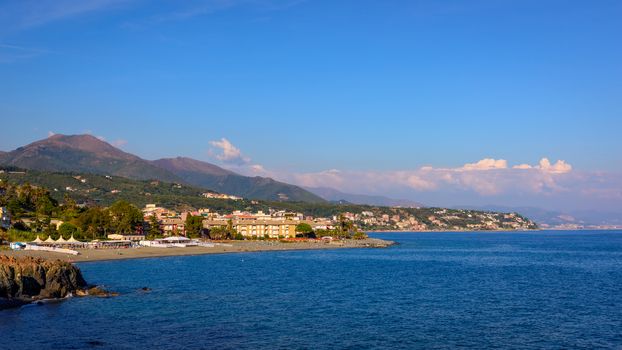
91 255
497 231
467 231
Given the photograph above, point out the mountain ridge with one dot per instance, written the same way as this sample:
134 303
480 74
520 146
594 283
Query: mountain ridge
210 176
331 194
85 154
555 218
89 154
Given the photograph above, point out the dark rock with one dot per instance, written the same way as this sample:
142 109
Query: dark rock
95 343
27 279
100 292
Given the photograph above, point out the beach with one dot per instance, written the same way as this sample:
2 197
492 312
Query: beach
87 255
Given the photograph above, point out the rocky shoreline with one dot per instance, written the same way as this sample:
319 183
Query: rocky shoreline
25 280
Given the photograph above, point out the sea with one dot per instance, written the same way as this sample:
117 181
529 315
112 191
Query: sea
438 290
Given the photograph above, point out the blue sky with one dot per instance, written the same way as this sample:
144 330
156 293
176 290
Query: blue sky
303 87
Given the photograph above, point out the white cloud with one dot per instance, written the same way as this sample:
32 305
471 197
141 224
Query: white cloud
119 143
51 133
487 177
258 170
486 164
559 167
419 183
228 153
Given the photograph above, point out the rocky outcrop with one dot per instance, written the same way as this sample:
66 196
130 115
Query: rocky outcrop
95 292
28 279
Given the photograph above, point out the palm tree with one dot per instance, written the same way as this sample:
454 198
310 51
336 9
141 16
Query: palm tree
345 225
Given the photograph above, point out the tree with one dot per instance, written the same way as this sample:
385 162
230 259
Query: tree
95 222
4 235
36 225
66 230
359 235
154 227
223 232
69 208
194 226
345 226
125 218
218 233
305 229
45 204
14 208
50 230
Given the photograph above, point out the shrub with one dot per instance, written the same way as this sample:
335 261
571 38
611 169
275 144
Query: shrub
67 230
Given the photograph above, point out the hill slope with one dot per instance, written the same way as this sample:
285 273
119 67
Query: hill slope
94 189
218 179
88 154
84 154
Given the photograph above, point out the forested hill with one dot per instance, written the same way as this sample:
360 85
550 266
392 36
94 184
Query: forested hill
102 190
88 154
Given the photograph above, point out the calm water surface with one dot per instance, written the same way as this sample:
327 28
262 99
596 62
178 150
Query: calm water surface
435 290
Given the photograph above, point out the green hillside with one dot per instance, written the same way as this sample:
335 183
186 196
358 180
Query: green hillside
88 154
83 154
207 175
100 190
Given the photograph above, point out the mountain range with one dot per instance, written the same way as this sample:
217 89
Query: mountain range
83 154
88 154
552 218
210 176
333 195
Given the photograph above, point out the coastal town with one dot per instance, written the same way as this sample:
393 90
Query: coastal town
278 224
77 205
282 224
70 219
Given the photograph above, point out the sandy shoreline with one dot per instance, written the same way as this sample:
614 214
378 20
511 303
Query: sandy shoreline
87 255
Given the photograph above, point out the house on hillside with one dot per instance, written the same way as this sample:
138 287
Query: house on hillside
173 226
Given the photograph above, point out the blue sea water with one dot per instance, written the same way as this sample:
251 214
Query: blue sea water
548 290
